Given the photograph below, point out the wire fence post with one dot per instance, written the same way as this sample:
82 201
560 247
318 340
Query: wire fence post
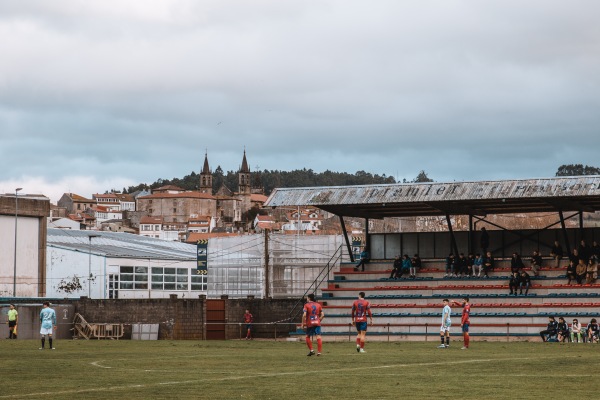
349 331
507 331
426 326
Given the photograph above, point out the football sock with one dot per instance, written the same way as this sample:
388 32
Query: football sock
319 345
362 344
357 341
50 342
442 339
466 340
43 342
447 340
309 343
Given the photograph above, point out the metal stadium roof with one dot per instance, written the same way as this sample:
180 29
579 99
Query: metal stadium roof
455 198
120 245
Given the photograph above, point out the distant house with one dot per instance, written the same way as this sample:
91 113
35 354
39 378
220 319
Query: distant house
265 222
201 224
65 223
75 203
151 227
110 201
306 221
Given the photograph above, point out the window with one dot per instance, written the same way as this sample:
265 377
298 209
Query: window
149 211
133 278
169 278
174 211
199 281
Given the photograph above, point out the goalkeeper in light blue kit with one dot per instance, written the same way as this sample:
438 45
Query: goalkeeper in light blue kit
446 323
48 324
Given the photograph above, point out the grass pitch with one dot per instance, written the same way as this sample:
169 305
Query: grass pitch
281 370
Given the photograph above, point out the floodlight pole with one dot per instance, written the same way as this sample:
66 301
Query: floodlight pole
15 257
90 265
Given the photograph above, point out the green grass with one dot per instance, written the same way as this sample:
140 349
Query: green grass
281 370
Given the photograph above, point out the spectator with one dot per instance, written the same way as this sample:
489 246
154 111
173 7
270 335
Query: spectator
524 282
470 263
449 265
416 265
576 331
248 320
484 241
574 256
477 265
571 272
592 331
551 329
406 265
513 284
364 259
460 265
581 271
584 251
563 330
488 264
591 271
557 253
396 268
516 263
536 262
596 251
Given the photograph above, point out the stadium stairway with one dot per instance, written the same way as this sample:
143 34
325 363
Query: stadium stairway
410 309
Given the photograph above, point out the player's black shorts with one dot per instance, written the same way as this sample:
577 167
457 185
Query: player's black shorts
12 324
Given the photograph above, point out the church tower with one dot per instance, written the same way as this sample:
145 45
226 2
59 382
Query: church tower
206 177
244 177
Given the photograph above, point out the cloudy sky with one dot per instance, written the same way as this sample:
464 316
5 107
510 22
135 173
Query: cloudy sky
104 94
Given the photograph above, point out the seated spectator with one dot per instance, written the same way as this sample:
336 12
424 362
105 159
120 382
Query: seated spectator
396 268
516 263
581 272
563 330
470 263
551 329
591 273
406 265
364 259
574 256
584 251
460 265
596 251
513 284
477 265
576 331
557 253
524 282
592 331
449 265
416 265
571 272
536 263
488 264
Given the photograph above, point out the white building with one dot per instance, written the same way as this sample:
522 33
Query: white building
103 265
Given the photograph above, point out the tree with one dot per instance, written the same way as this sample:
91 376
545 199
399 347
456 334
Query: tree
577 170
422 177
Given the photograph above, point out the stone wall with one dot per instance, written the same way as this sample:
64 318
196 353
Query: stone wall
271 317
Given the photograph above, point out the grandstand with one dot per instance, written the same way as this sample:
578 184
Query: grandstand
410 309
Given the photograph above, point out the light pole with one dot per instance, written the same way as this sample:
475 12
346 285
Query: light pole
15 257
90 265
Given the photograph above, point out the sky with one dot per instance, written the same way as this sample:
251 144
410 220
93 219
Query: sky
100 95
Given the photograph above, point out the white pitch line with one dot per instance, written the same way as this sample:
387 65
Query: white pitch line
266 375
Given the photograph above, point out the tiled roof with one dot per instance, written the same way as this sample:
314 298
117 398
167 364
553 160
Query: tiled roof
194 237
76 197
169 187
151 220
193 195
258 197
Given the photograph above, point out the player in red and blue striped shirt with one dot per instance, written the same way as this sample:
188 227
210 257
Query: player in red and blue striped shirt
360 310
311 321
464 320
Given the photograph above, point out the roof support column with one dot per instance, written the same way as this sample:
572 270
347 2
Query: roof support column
367 237
345 232
452 238
581 226
564 231
470 234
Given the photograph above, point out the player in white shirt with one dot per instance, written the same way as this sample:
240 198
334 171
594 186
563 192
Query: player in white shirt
446 323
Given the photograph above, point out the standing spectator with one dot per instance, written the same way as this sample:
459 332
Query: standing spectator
513 284
484 241
396 268
248 320
536 262
524 282
477 265
311 321
465 321
12 319
364 259
417 263
446 323
571 272
449 265
591 271
596 251
563 330
516 263
551 329
584 251
592 331
581 271
48 324
460 265
557 253
576 330
488 264
360 310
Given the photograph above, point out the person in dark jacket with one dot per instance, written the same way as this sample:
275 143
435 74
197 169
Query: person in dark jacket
484 241
571 272
513 284
406 265
460 265
593 330
584 251
449 265
596 251
488 264
364 259
574 256
557 253
524 282
396 268
536 262
470 263
416 265
551 329
563 330
516 263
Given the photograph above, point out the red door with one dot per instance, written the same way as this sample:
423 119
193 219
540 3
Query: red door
215 319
